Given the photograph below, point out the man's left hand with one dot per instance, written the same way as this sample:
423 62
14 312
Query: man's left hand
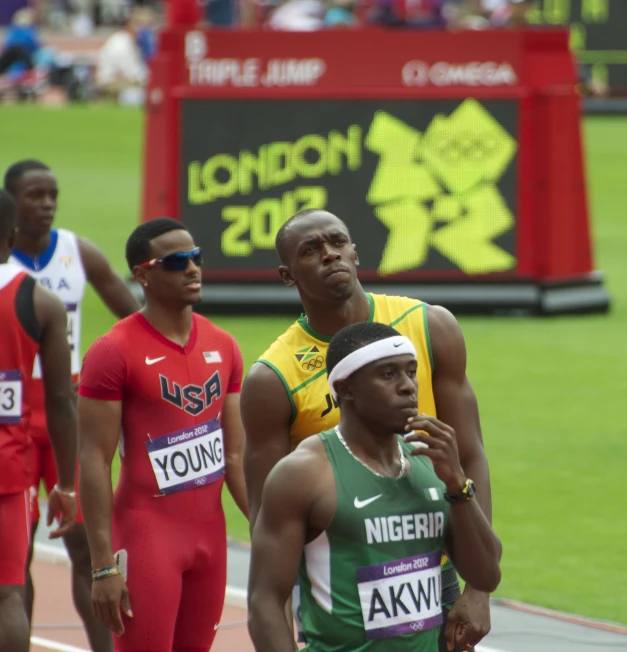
62 505
469 619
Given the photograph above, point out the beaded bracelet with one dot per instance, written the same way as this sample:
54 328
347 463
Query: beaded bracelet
103 573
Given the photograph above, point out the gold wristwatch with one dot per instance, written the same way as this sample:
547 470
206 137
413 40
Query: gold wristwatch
467 493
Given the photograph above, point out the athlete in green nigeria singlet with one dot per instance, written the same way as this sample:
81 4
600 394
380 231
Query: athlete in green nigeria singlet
371 581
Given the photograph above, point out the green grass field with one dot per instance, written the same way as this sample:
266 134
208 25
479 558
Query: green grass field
550 390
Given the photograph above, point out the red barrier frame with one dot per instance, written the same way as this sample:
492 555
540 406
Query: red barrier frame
553 235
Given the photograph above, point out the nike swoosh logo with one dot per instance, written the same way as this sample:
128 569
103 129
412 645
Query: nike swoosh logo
149 361
397 345
362 503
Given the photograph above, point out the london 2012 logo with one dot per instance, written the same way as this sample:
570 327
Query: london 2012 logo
440 185
446 175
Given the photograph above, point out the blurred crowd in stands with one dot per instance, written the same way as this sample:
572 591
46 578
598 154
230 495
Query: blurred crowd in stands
101 59
82 16
412 14
117 69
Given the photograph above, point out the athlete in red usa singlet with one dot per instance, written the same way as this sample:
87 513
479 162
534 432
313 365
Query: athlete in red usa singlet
32 321
169 381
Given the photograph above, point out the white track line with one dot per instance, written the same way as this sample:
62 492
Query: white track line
53 645
51 554
235 597
61 647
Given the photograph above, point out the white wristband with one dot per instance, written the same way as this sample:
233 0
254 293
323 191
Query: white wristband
71 494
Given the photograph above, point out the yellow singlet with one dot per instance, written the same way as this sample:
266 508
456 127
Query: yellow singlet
298 357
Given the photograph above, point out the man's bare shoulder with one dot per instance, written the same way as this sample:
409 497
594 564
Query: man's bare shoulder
263 385
48 307
261 373
439 316
304 467
311 446
443 326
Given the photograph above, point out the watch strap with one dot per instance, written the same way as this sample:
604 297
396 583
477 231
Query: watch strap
467 493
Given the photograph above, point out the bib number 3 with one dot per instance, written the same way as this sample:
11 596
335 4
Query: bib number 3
10 396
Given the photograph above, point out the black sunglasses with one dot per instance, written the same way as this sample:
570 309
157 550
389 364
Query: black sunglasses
178 261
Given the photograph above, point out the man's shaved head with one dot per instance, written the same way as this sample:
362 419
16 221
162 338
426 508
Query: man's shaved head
280 242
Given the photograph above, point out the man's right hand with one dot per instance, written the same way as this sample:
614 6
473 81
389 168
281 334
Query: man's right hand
107 597
61 504
439 445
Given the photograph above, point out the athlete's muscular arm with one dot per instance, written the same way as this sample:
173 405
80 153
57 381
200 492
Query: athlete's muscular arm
266 413
278 539
110 287
456 405
99 425
234 439
456 402
54 355
474 547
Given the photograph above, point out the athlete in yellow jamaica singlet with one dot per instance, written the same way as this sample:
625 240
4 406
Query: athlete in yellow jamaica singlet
285 397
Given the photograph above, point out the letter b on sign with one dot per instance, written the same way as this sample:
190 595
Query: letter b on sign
195 45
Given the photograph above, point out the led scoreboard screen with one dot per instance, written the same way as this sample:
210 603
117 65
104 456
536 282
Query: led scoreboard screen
424 186
598 33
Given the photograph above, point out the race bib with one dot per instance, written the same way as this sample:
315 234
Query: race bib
10 396
72 325
401 596
188 458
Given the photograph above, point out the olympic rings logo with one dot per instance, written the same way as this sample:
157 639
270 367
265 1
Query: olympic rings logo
473 148
313 363
417 625
200 481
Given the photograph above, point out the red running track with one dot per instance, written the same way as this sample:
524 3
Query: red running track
58 627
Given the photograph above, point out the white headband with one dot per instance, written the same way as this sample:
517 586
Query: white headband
390 346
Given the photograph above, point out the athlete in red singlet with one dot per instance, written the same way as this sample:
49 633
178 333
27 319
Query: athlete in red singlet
31 321
165 382
65 264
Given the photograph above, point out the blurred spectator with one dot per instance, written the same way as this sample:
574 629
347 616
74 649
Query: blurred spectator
20 45
147 38
121 71
308 15
90 13
417 14
341 13
482 14
470 14
511 13
221 13
590 86
298 15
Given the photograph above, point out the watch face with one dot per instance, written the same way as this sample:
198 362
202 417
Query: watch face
470 489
